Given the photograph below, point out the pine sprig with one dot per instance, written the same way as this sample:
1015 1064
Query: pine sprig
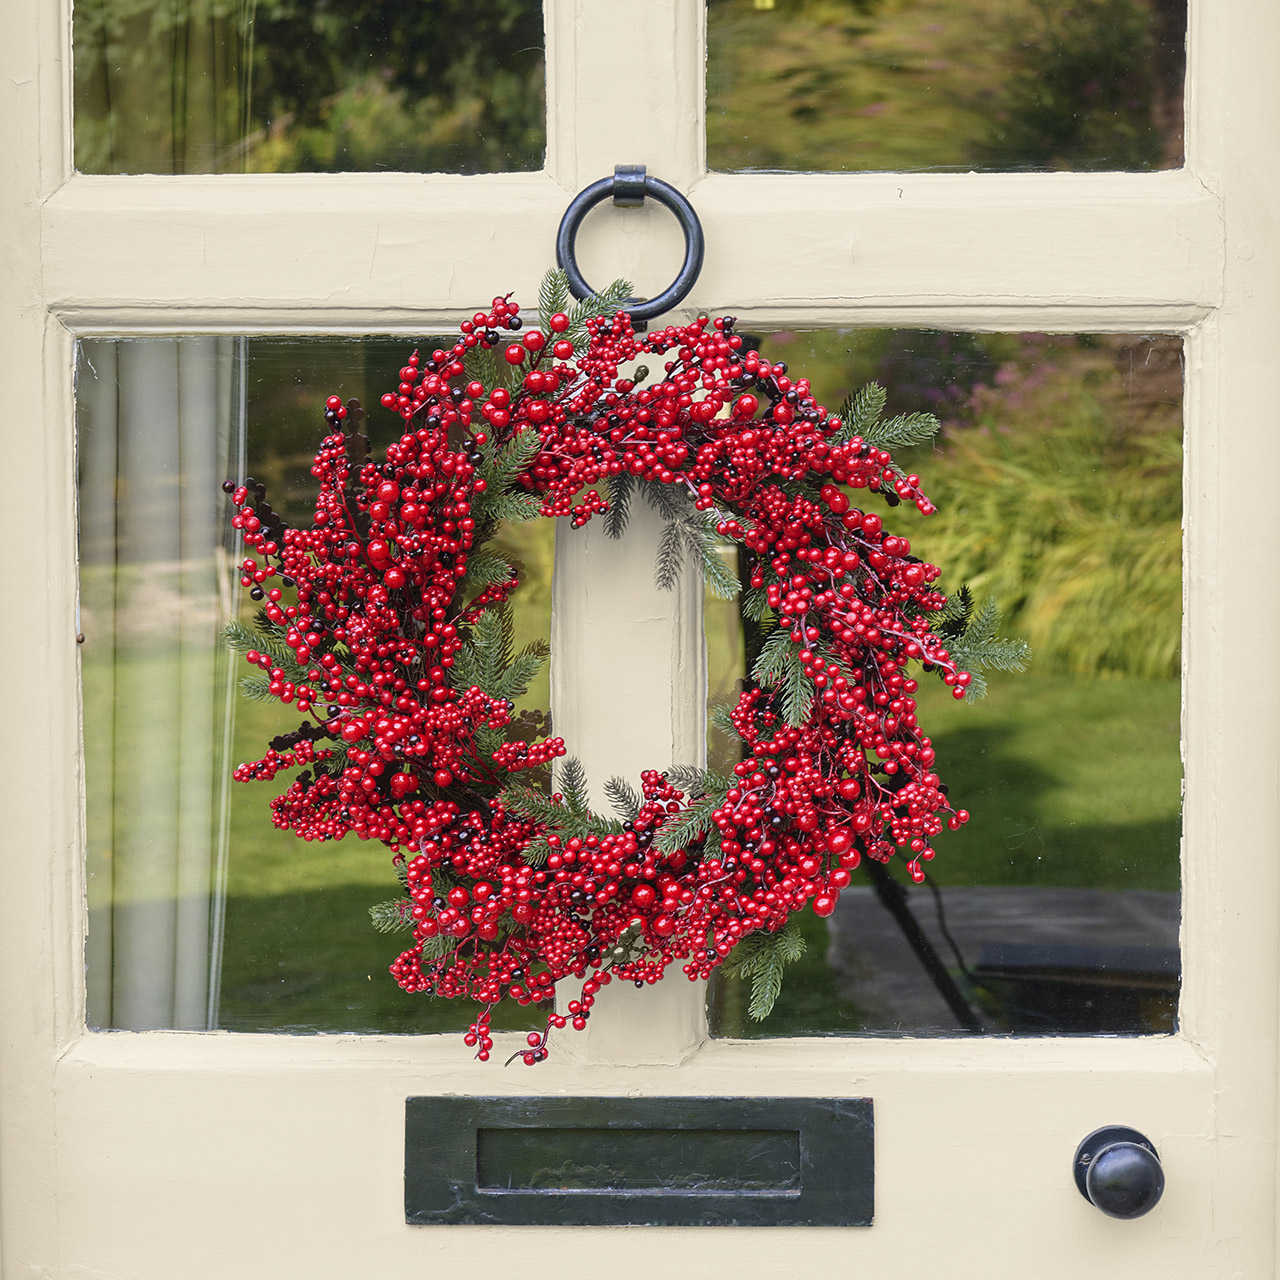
256 689
667 500
554 298
978 646
721 719
720 579
755 603
779 665
775 656
435 948
391 916
670 560
697 782
902 432
242 641
484 658
689 536
337 761
953 617
860 413
568 816
514 504
683 829
763 957
520 673
502 467
625 799
485 365
607 302
532 805
797 693
621 490
571 781
486 568
487 741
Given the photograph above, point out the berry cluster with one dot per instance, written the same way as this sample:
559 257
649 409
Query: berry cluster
369 613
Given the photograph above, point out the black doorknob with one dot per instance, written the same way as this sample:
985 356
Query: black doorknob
1118 1171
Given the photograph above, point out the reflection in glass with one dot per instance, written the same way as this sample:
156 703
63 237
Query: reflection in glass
272 86
1055 910
945 84
201 913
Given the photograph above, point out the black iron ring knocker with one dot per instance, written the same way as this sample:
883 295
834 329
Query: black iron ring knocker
629 187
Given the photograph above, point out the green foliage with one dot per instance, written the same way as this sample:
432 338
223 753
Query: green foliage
912 85
505 465
755 603
689 537
951 620
514 505
902 432
762 958
1081 86
514 682
978 646
621 490
487 652
1069 513
697 782
256 689
555 297
797 694
670 558
720 718
487 660
503 499
625 799
860 413
568 817
571 778
487 365
533 805
241 640
776 655
605 303
277 85
683 829
392 916
486 568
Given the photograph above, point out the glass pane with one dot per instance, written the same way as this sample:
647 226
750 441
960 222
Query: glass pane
272 86
945 84
1058 478
202 914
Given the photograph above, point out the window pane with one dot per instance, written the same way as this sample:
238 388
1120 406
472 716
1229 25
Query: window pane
1055 910
945 84
202 914
272 86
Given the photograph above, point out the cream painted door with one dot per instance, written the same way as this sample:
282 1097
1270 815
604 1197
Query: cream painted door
152 1155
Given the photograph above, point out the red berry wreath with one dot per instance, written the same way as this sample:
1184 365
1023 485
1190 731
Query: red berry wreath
387 617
